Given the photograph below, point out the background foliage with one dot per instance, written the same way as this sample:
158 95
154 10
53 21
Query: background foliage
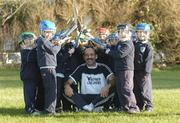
17 16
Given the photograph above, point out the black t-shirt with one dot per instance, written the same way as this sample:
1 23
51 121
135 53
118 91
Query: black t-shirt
92 79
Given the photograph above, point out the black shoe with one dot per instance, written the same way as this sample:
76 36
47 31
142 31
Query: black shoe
33 112
29 110
116 109
36 113
59 110
121 110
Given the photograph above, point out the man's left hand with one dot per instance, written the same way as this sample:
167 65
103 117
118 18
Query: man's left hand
104 91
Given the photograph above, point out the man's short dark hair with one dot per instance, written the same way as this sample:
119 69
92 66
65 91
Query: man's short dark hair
87 47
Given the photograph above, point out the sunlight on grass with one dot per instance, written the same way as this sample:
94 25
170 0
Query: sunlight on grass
166 96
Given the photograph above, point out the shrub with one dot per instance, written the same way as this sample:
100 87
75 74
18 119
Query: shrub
163 15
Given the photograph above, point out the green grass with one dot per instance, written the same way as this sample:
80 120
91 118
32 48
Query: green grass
166 96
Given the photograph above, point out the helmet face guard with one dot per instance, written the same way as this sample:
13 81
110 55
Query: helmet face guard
56 38
143 31
113 36
102 31
124 27
124 31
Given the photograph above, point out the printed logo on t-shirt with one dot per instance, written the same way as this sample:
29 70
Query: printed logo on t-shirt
92 80
92 83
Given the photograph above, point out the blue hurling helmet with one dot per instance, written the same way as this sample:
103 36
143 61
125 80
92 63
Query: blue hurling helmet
143 26
113 36
46 25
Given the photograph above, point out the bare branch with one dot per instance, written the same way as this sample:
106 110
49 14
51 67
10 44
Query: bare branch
7 18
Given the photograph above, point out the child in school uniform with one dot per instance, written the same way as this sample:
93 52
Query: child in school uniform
29 72
47 50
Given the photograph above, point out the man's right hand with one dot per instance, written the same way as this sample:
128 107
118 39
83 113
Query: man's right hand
68 90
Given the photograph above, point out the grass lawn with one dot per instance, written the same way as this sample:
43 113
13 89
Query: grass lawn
166 96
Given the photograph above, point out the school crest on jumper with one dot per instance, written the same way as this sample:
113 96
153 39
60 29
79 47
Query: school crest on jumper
142 49
119 47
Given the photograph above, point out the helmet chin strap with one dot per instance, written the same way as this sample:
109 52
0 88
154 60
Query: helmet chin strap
125 39
42 36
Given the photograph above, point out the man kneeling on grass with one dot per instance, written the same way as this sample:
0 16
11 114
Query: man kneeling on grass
95 80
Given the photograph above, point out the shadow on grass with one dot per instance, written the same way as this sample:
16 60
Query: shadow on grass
12 112
116 114
20 112
167 79
166 83
10 74
10 84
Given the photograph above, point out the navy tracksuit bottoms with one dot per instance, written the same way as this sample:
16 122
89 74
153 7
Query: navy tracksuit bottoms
143 89
50 89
